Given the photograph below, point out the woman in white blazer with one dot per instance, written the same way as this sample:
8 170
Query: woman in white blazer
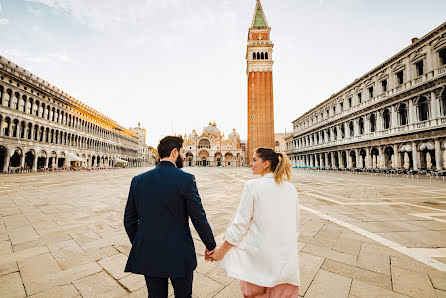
260 246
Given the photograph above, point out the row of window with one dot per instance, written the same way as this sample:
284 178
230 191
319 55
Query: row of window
348 128
29 131
349 103
22 103
260 56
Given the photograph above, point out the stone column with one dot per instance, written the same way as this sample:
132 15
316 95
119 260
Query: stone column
412 112
438 155
326 159
415 156
349 160
356 126
368 158
394 120
22 160
379 126
46 162
435 106
34 168
380 161
1 126
397 156
6 166
358 159
341 164
347 130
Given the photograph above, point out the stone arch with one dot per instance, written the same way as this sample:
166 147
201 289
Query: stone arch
189 159
427 150
29 159
16 158
374 157
389 158
362 158
203 158
3 158
228 159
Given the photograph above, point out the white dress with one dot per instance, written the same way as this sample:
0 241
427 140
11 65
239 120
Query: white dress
264 232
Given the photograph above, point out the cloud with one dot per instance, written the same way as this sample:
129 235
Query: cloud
99 14
33 11
4 21
58 57
1 7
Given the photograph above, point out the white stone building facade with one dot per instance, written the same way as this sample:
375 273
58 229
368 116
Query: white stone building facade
43 127
392 117
212 149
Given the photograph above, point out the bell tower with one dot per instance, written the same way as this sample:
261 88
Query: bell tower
260 83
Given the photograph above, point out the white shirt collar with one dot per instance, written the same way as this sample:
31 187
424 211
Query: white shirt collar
269 175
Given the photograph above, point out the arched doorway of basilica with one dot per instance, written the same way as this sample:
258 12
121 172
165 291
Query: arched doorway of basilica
218 159
29 159
3 152
389 158
427 150
362 158
189 159
203 158
228 159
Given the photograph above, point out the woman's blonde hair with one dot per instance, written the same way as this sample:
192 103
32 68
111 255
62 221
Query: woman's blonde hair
279 163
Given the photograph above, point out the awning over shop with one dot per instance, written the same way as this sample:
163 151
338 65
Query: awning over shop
118 160
73 157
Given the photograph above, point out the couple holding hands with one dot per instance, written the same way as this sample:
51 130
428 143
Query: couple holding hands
260 245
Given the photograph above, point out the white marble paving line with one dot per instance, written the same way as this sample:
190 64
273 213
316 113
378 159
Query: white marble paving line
430 216
372 203
386 242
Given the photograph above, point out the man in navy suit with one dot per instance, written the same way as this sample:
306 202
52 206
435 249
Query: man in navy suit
156 220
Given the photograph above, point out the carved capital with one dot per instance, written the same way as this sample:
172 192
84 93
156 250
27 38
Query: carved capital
439 91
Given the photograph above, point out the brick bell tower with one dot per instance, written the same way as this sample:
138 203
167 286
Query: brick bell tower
260 83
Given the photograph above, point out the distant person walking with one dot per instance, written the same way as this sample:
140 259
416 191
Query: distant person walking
156 220
260 246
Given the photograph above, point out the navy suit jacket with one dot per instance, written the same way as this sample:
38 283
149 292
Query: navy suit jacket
156 220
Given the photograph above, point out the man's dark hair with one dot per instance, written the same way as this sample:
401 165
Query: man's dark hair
167 144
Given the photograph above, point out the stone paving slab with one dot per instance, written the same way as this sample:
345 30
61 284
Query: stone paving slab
61 234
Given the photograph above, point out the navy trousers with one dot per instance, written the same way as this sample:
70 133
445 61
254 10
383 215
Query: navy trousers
182 286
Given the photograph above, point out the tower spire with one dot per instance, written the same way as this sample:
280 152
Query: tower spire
259 19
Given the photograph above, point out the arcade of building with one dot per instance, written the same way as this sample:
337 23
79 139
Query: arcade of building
211 148
392 117
43 127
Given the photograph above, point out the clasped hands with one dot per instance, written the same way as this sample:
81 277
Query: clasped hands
213 255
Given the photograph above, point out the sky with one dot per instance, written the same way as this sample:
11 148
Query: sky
175 65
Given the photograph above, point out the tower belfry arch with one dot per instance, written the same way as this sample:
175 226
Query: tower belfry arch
259 70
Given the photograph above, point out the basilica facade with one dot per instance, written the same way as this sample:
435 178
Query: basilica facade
212 149
43 127
393 117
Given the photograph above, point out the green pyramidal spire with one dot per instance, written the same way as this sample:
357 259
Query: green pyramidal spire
259 17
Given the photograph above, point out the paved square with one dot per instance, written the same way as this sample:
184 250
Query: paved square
61 234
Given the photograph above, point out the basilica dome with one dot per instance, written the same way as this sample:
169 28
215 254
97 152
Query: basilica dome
234 135
211 130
